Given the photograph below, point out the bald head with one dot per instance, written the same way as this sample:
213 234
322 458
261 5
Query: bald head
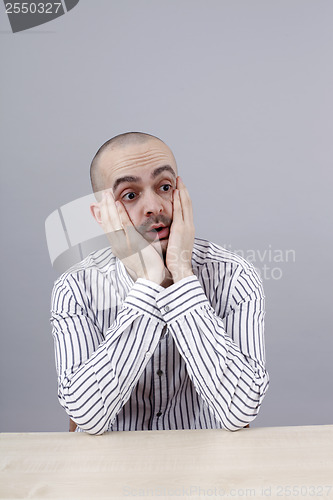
119 142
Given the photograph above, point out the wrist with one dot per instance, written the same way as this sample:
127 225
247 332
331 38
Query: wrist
149 276
156 277
181 274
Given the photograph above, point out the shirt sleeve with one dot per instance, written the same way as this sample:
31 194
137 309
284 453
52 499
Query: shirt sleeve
225 358
96 374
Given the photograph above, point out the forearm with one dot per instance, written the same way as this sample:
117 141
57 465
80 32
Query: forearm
232 383
225 379
94 390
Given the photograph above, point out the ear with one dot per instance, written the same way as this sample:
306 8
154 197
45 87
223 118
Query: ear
96 212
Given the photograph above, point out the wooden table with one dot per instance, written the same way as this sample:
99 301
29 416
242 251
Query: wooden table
271 462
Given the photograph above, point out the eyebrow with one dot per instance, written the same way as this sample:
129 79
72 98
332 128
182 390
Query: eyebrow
159 170
132 178
127 178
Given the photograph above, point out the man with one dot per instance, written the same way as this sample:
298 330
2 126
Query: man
160 330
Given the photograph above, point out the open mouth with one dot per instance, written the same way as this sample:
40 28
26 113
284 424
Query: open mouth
160 232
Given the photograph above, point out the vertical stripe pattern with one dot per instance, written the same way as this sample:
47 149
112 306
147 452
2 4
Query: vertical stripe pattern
136 356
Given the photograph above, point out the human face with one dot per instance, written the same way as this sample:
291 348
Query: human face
143 178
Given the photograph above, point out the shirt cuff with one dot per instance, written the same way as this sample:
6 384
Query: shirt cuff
142 297
180 298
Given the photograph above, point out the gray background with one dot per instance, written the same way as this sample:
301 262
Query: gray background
242 93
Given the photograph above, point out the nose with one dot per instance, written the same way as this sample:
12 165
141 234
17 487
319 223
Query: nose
152 203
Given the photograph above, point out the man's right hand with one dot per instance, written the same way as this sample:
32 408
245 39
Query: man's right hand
139 257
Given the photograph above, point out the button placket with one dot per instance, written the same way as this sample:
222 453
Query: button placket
160 383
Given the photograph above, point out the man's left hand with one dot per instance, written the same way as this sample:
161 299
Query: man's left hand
181 238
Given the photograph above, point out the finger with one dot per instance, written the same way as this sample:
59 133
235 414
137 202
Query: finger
114 219
128 228
186 202
104 211
177 208
128 224
123 215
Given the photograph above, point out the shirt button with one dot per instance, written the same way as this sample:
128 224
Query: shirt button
158 414
147 354
159 372
166 309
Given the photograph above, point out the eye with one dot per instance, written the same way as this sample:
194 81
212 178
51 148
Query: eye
129 196
166 187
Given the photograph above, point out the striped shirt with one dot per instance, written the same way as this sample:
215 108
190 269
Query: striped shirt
137 356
